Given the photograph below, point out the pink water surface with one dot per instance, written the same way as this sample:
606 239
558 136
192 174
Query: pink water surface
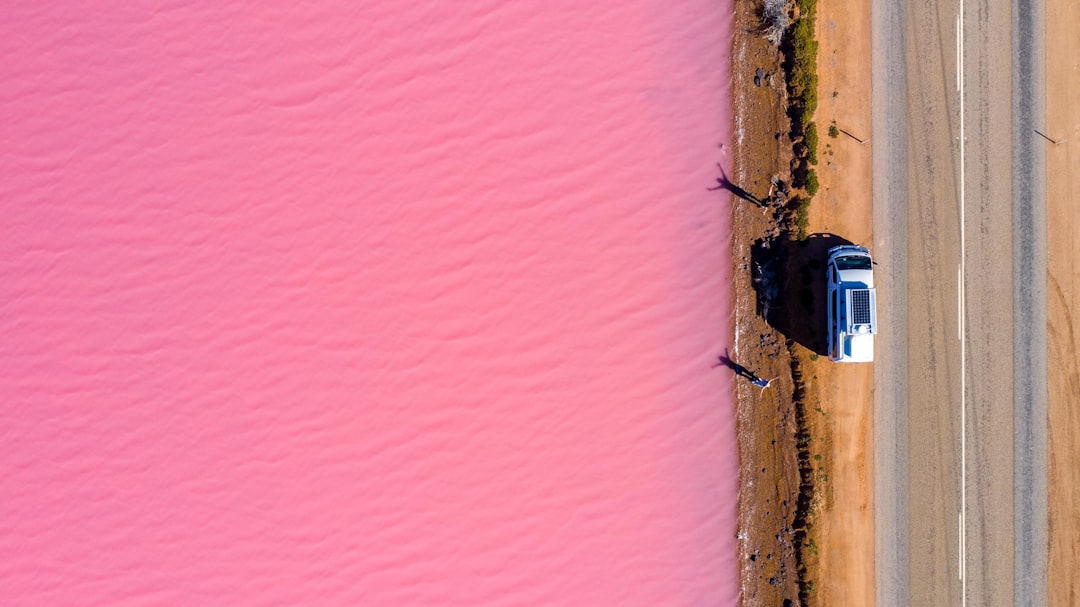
365 303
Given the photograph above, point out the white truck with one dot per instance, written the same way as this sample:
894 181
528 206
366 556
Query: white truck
852 304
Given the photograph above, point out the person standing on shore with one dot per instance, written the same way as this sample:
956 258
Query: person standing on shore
761 383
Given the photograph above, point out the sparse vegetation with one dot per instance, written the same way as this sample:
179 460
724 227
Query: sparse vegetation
790 25
811 139
800 50
833 131
809 499
803 78
802 218
812 184
802 59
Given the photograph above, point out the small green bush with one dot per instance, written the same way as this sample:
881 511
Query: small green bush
810 102
801 51
807 8
802 218
812 184
833 131
811 137
804 78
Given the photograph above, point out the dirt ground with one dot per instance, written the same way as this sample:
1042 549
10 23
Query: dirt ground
769 478
806 511
1063 295
840 397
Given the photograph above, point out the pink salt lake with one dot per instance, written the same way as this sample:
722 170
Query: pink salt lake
380 303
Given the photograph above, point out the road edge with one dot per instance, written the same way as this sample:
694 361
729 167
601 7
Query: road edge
1030 397
889 178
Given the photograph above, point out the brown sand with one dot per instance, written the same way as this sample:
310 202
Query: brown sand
1063 295
769 477
835 545
840 397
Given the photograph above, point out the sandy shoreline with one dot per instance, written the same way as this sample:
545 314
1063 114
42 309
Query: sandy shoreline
768 477
805 505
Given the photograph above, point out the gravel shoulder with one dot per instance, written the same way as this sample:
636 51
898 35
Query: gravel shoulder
1063 298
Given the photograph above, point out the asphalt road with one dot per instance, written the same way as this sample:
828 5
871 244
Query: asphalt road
959 412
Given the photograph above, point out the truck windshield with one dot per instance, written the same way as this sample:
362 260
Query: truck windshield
853 262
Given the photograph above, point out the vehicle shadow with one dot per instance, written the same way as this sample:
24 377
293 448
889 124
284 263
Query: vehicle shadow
789 280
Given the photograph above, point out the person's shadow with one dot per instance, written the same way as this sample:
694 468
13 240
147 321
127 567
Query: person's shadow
723 183
741 371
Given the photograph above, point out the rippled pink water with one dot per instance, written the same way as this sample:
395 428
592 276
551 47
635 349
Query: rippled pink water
375 303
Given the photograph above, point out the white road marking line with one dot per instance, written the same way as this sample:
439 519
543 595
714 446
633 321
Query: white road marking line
959 59
960 318
960 547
